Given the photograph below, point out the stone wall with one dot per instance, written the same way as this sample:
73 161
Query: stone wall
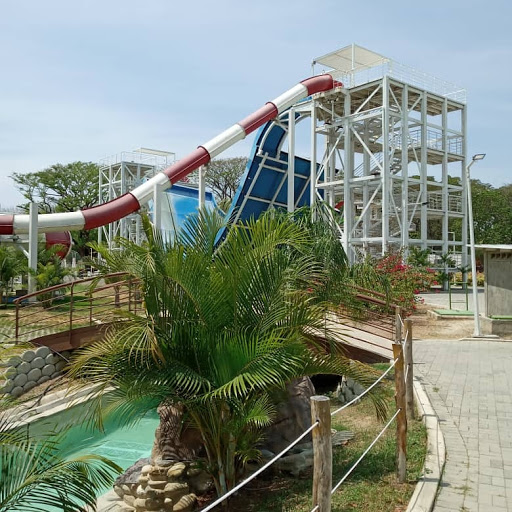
347 390
33 367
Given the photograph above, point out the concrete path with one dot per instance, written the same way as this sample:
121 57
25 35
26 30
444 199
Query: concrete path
470 386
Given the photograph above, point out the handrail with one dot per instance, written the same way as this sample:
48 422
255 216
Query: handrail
66 285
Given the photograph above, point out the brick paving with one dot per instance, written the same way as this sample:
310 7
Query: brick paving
470 386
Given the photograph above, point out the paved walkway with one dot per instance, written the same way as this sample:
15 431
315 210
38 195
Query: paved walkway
470 386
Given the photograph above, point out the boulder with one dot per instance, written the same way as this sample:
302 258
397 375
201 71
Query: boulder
20 380
293 416
132 474
23 367
34 375
43 352
28 355
37 362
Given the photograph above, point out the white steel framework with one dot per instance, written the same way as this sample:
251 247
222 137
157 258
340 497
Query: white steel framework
394 156
120 174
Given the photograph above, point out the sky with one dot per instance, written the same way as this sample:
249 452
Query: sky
81 80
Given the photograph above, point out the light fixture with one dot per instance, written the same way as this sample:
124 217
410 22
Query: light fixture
476 312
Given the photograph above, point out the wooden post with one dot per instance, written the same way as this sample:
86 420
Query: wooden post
71 312
398 324
401 419
409 391
322 453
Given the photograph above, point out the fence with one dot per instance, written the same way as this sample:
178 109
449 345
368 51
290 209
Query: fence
64 314
322 488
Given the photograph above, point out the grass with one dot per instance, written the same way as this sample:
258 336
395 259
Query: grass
372 487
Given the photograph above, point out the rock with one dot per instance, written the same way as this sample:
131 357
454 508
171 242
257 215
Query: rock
129 499
348 395
43 379
20 380
28 355
175 490
132 474
37 362
49 369
17 391
55 375
201 483
168 504
158 474
176 470
165 463
34 375
10 372
266 455
23 367
139 504
185 504
294 464
341 437
146 469
51 359
43 352
293 415
126 489
155 494
119 491
8 386
29 385
157 484
14 361
60 365
358 389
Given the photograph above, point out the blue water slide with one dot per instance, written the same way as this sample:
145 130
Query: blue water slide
263 185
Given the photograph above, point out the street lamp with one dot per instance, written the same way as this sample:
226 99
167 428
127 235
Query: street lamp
476 313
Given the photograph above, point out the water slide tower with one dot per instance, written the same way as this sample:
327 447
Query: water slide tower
121 173
393 156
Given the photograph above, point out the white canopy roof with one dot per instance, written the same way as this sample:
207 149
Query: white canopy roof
350 58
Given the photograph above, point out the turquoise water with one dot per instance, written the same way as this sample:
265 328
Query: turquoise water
123 445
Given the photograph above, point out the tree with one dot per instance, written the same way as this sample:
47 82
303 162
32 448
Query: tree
224 328
50 272
62 188
223 177
12 264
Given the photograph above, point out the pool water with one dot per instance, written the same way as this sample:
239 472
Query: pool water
123 445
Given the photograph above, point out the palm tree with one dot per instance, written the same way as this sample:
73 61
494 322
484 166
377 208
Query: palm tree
34 474
225 326
12 264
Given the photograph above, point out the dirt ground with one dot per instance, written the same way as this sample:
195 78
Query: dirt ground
425 327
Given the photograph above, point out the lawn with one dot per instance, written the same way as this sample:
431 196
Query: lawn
372 487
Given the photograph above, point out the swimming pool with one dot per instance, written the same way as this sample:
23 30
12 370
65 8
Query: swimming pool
123 445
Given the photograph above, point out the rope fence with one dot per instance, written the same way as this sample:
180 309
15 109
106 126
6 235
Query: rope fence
322 437
372 444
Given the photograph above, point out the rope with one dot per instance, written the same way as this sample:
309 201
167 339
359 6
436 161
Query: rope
366 390
263 468
365 452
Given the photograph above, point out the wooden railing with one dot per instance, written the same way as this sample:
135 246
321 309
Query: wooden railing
74 306
371 312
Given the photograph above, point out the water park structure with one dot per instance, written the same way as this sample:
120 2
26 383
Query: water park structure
387 149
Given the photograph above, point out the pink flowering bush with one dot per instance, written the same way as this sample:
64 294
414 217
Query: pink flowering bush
406 280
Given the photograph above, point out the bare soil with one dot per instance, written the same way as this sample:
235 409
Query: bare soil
426 327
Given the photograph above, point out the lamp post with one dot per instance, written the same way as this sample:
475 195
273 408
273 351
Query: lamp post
476 313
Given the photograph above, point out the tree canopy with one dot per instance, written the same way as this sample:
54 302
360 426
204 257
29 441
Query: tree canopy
62 188
223 177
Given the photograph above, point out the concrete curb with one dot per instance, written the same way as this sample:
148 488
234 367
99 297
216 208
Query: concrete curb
425 492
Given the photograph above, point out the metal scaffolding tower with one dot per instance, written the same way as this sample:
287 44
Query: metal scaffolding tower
393 156
121 173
